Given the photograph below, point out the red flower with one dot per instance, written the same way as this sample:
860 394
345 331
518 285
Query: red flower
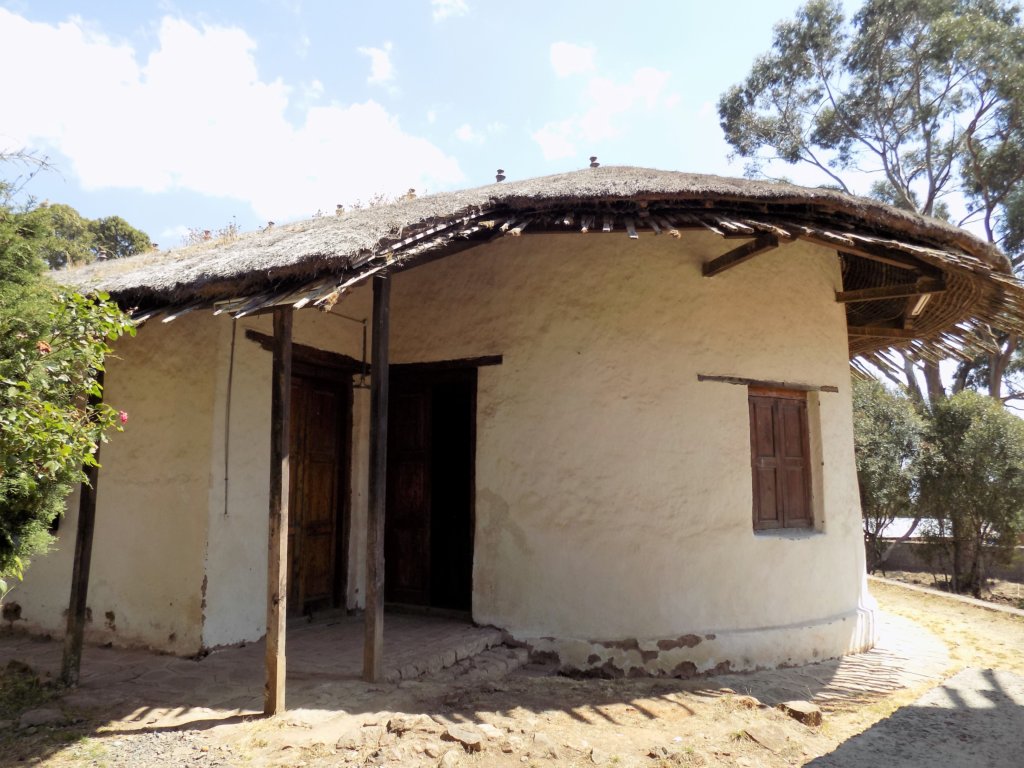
123 416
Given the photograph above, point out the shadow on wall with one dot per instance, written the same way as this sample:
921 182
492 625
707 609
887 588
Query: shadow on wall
974 719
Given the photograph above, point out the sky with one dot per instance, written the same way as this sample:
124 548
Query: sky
178 115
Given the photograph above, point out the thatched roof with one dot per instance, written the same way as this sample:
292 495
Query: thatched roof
314 261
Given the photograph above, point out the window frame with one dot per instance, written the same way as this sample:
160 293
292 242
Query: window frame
788 515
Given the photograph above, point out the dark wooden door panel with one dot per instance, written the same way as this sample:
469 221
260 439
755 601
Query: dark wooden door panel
429 520
320 419
407 521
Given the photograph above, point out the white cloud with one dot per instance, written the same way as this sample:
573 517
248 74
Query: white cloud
195 115
569 59
443 9
555 140
466 133
606 104
382 71
315 89
172 237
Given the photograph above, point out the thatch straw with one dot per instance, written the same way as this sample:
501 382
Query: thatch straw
314 262
331 244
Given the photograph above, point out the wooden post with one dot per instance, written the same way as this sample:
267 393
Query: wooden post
74 634
373 642
277 561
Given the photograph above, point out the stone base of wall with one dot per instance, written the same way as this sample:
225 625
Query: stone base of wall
710 653
106 632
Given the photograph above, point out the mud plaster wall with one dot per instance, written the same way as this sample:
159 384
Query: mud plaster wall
613 488
147 563
236 557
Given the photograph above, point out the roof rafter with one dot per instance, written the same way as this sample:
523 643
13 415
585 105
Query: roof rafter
917 288
745 252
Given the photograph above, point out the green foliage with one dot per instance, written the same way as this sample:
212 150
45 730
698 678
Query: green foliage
66 238
972 484
52 344
63 235
21 690
929 94
887 436
115 238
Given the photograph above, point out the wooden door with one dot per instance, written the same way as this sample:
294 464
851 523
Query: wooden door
428 542
407 520
318 492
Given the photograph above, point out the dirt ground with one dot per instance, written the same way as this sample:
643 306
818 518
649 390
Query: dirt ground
998 591
530 718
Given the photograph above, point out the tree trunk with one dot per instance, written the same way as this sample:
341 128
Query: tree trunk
884 556
913 390
997 365
933 380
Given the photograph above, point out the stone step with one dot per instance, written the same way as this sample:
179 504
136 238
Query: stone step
491 664
482 639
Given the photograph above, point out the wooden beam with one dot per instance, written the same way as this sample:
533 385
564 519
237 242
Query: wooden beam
277 561
881 332
900 291
373 641
74 635
742 381
302 353
745 252
893 260
458 364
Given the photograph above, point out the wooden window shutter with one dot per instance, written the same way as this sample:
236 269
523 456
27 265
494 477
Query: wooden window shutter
780 459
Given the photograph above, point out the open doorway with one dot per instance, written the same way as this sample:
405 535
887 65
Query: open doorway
428 540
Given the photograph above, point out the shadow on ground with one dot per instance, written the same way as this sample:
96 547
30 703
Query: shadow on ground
131 691
975 718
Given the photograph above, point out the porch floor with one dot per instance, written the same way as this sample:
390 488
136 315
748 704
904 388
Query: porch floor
324 660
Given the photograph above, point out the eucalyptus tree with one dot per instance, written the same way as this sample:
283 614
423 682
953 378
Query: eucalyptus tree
924 96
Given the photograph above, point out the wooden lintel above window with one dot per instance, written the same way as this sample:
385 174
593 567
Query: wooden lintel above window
882 292
771 385
745 252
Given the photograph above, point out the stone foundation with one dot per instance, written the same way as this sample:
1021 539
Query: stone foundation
710 653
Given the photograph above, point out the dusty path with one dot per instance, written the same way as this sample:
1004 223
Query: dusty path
973 720
533 718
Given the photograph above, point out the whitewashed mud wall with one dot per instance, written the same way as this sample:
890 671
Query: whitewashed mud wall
613 508
151 525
